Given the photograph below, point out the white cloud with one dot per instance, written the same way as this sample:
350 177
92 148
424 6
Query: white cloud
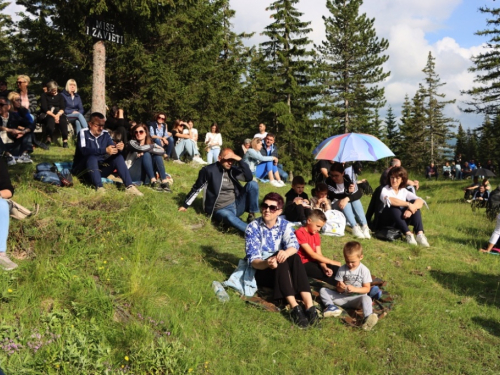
405 24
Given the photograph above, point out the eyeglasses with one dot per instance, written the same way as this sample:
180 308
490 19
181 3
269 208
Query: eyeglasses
139 132
20 82
272 207
335 175
395 178
97 125
161 118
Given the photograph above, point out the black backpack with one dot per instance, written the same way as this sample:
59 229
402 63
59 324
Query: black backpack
493 205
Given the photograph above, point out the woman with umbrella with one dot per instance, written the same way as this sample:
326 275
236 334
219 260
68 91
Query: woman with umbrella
346 195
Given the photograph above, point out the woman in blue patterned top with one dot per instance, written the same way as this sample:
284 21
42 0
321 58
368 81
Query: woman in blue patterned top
271 248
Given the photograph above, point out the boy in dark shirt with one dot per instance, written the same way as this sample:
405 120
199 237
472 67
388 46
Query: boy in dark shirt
297 205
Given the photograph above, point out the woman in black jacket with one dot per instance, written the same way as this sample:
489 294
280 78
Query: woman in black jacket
53 105
346 196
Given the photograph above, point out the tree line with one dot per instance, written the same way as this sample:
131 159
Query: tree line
182 57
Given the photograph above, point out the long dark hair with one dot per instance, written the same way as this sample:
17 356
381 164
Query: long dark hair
148 139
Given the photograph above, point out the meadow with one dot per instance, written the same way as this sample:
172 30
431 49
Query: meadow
111 284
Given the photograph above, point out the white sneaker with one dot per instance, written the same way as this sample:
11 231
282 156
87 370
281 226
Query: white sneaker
132 190
177 161
411 239
281 183
422 240
24 159
199 160
6 263
11 160
357 232
370 322
275 183
366 231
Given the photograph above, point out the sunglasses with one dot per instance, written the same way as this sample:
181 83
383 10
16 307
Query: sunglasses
20 82
272 207
161 118
139 132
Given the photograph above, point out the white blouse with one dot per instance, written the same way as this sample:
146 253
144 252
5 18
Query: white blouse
214 140
403 194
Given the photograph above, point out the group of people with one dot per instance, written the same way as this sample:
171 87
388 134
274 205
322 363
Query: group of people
458 169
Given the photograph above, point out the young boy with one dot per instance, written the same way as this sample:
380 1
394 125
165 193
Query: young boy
317 266
353 285
297 206
320 200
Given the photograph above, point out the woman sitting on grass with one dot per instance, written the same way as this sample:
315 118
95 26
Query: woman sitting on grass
144 158
402 207
6 192
262 166
271 249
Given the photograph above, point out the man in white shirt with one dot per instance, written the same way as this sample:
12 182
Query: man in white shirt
262 131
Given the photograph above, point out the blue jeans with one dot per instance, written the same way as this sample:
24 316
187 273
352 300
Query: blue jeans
352 211
96 168
185 146
283 174
78 120
143 169
213 155
248 201
168 148
262 170
4 224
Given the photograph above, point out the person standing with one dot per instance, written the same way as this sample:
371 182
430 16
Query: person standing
213 140
262 131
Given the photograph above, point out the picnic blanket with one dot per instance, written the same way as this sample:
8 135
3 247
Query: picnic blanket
353 318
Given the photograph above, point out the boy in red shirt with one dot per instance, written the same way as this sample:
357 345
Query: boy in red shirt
317 266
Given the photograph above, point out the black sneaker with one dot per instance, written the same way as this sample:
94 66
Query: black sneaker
312 316
165 186
251 217
65 145
298 317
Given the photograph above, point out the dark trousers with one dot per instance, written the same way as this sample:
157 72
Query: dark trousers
168 148
314 271
19 146
289 279
50 126
96 168
296 212
393 217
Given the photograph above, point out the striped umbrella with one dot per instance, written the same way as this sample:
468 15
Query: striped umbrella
352 147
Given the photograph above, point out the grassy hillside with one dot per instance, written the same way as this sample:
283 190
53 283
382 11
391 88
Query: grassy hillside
111 284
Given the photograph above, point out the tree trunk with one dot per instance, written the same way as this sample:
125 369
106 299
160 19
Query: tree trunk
99 78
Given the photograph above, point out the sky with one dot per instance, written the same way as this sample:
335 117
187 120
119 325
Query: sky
412 27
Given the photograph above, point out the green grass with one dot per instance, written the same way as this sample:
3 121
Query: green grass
113 276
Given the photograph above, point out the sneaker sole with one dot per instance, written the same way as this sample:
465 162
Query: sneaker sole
333 314
370 322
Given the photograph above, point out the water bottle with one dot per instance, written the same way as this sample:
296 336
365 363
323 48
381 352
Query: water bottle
220 292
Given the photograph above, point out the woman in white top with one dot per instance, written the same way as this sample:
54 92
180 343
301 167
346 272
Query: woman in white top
213 140
402 207
494 237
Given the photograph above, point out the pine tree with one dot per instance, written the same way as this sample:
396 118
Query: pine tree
290 75
392 132
5 39
461 145
439 126
472 147
486 96
489 133
352 59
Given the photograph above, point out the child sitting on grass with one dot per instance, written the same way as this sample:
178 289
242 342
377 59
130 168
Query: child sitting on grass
320 200
297 206
353 285
317 266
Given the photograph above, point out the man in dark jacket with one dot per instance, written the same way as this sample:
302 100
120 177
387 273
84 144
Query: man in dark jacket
97 156
225 199
269 148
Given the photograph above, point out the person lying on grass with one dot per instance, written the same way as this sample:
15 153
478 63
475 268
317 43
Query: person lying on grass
271 249
353 285
317 266
495 236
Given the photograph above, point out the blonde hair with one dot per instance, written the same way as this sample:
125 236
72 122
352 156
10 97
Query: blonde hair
70 81
25 77
13 95
255 142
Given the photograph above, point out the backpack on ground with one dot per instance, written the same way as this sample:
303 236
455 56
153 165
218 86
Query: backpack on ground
335 223
50 174
493 204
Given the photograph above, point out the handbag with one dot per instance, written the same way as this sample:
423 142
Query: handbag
388 234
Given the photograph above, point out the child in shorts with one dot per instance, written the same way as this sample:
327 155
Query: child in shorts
353 285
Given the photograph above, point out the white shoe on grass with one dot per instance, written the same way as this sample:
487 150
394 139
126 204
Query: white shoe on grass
132 190
366 231
370 322
276 184
6 263
410 239
24 159
331 310
357 232
422 240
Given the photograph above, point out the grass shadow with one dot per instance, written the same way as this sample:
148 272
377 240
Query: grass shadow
482 287
490 325
223 262
197 205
